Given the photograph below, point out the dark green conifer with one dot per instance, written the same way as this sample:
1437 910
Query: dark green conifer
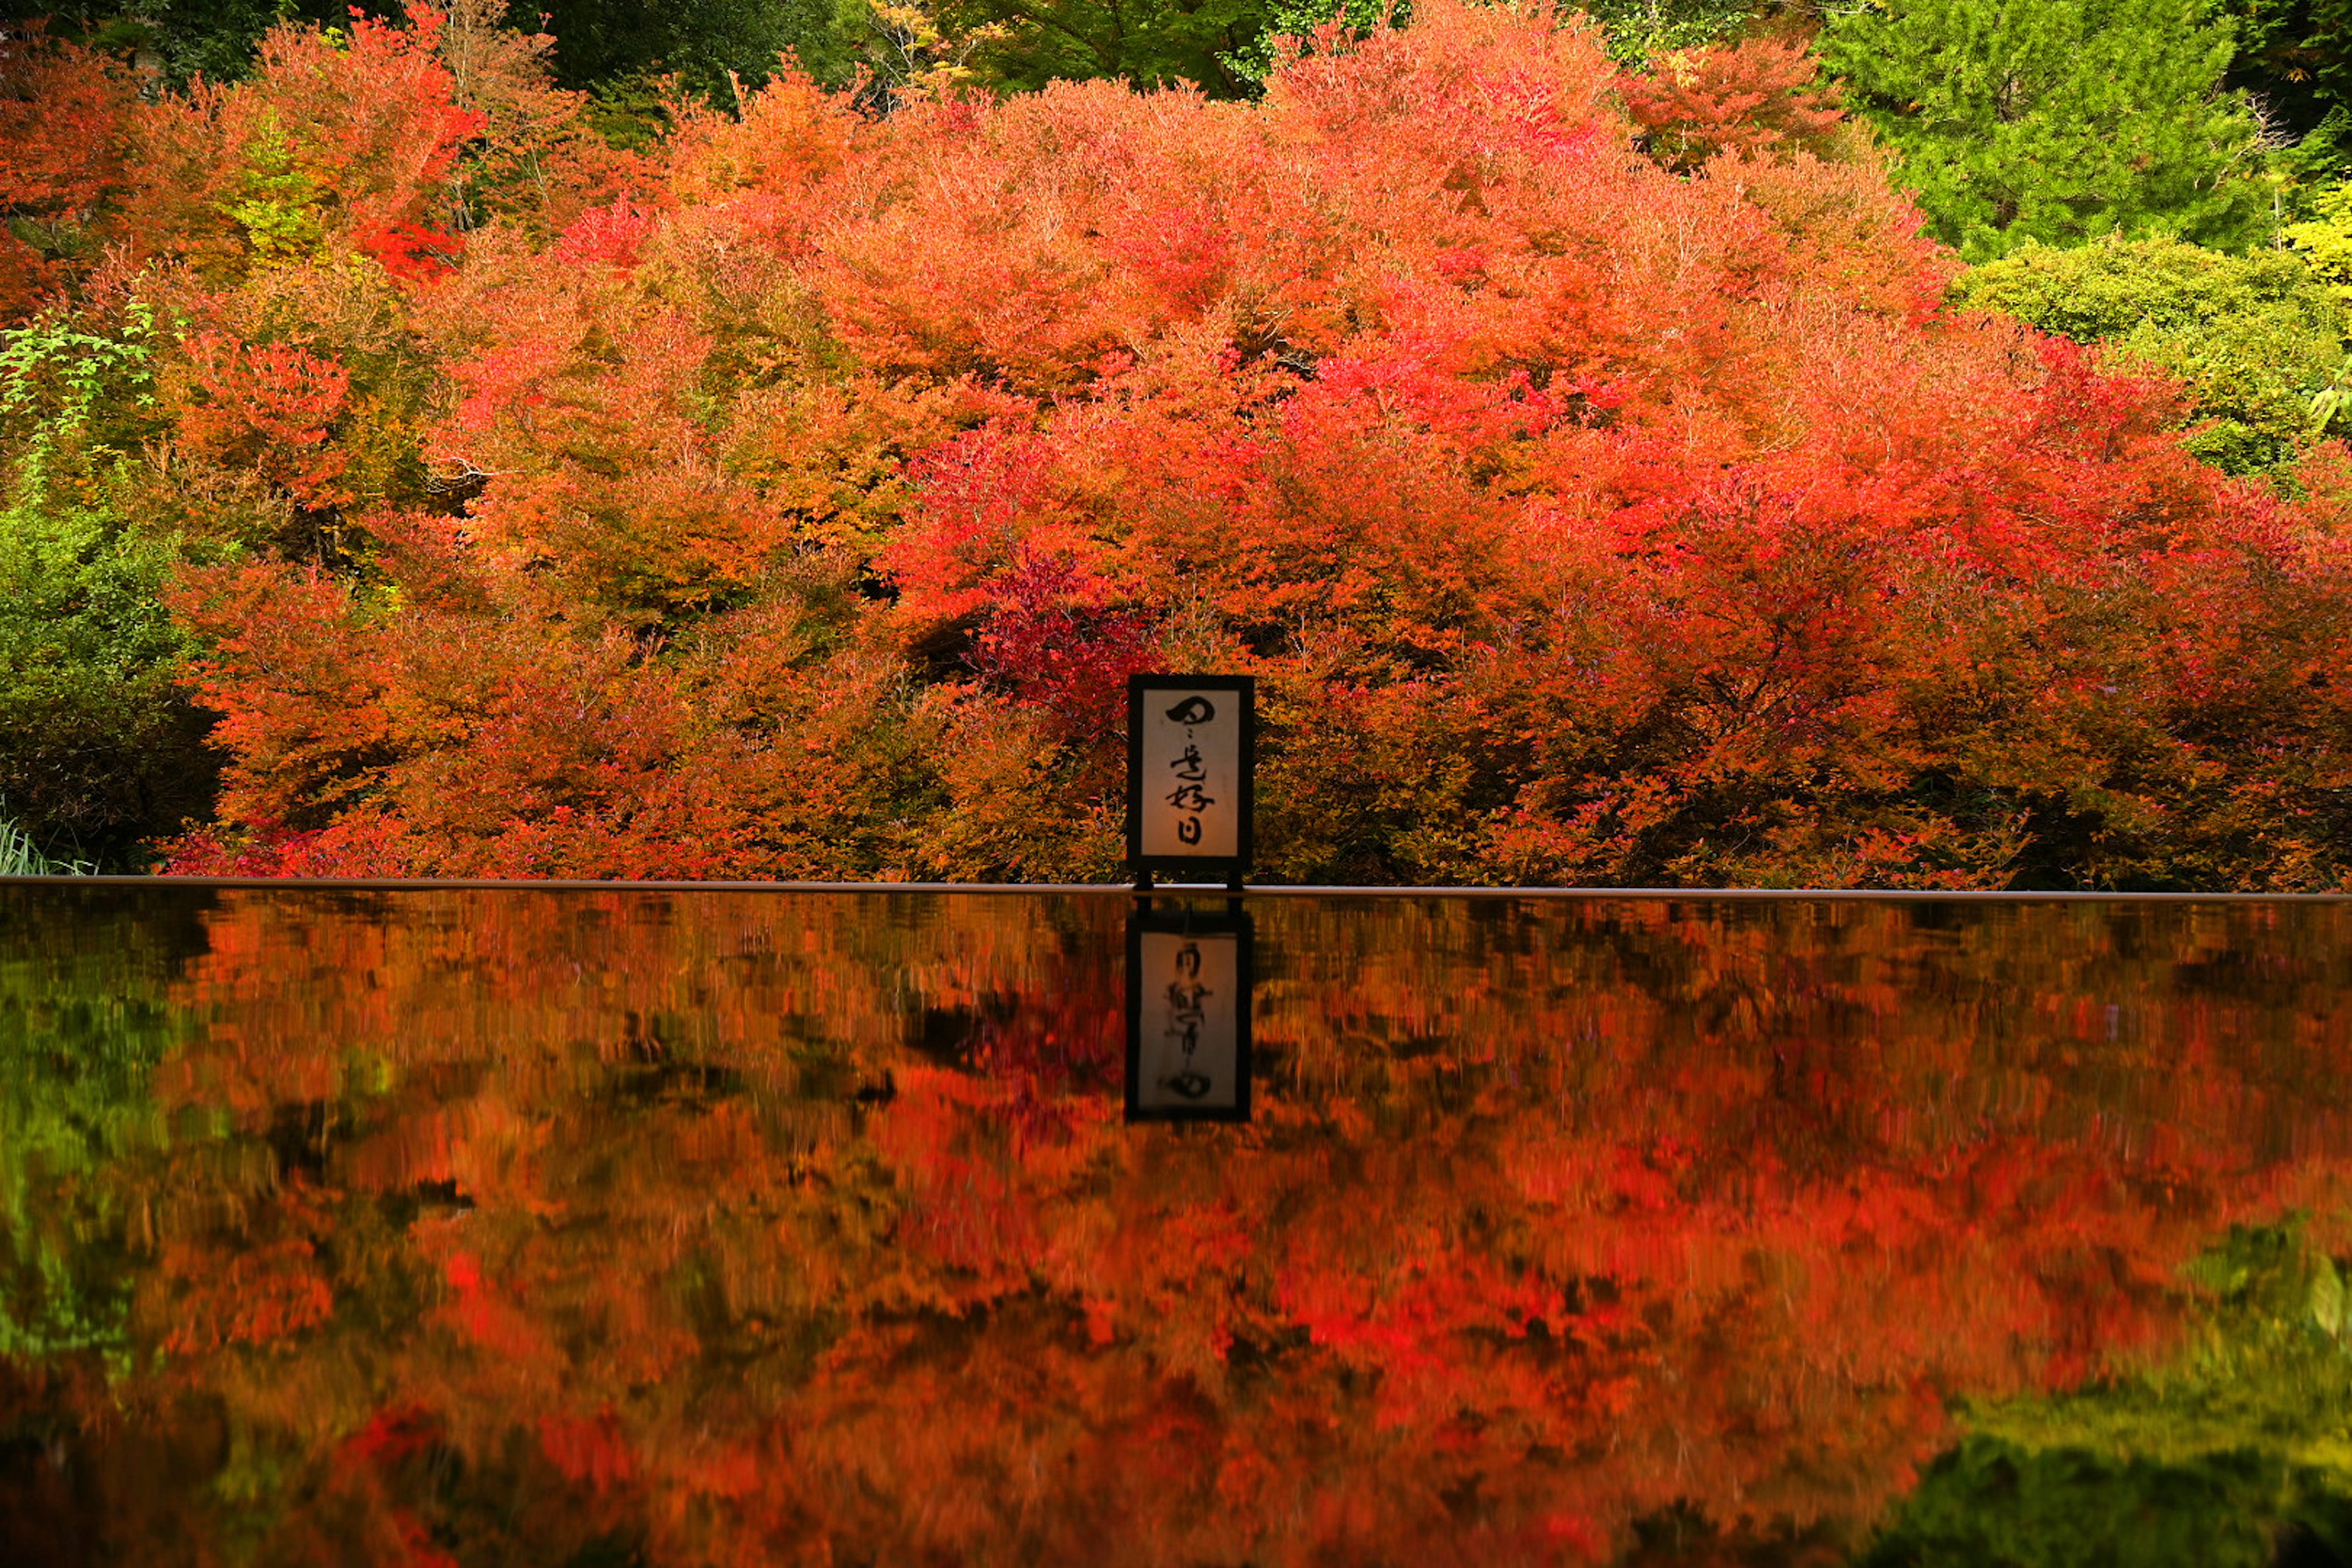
2059 121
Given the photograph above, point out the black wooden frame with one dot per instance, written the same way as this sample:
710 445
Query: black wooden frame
1229 869
1191 921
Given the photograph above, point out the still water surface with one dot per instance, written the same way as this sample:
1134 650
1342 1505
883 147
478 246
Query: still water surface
611 1227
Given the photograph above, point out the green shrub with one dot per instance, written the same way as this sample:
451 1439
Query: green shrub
100 746
2254 337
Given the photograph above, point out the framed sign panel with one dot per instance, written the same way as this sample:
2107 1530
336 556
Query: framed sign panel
1188 1016
1191 765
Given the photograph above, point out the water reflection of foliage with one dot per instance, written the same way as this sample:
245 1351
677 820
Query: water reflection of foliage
84 1016
2233 1453
712 1227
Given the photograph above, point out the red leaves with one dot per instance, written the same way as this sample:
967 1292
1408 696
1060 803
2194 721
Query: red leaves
411 252
1056 650
590 1453
356 845
395 1435
1757 95
1582 518
611 236
63 112
269 407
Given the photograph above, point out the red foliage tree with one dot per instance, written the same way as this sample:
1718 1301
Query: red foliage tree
64 112
1755 95
790 499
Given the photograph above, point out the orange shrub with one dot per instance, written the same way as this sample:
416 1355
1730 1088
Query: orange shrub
792 499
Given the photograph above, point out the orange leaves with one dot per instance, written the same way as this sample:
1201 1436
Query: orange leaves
63 114
791 136
795 493
372 117
1024 244
299 708
269 407
1755 95
61 111
262 1294
1849 230
682 541
456 746
838 457
340 145
606 504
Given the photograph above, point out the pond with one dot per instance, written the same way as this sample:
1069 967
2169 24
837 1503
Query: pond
609 1226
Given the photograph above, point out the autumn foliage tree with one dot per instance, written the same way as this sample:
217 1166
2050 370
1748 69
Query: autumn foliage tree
1583 462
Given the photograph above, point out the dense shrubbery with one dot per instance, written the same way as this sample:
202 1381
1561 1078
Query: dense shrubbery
2253 339
789 493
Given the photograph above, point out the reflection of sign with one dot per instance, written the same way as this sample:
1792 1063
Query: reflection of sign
1188 1048
1191 745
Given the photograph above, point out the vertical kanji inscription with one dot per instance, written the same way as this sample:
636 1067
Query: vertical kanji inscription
1191 749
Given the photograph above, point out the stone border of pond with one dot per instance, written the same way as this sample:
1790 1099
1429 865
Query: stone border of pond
1122 890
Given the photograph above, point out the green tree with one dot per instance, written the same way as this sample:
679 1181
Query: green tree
99 746
2254 337
1226 47
2059 120
2295 57
1640 28
703 42
1214 44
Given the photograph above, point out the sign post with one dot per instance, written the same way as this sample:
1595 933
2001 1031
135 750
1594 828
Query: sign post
1192 767
1188 1015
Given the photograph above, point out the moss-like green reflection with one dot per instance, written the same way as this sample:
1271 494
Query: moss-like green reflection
2236 1451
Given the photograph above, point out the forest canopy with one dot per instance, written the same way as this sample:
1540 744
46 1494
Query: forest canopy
427 454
